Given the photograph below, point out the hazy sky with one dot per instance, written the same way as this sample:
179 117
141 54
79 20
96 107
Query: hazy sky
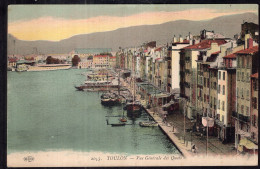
57 22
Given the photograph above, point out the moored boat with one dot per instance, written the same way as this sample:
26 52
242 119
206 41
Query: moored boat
148 124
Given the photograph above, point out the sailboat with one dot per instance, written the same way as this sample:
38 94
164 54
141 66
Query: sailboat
109 98
123 118
133 106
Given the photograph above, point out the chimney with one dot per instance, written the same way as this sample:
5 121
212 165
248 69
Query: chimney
250 42
174 39
180 39
247 36
223 49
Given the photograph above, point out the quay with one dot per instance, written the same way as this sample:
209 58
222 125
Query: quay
174 130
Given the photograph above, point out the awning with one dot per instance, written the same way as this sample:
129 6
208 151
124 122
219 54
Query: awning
168 104
207 121
248 144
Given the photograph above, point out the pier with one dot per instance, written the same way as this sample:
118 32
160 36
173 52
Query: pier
173 128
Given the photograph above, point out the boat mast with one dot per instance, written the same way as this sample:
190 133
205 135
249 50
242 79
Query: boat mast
119 84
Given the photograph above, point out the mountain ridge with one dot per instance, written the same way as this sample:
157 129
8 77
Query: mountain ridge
132 36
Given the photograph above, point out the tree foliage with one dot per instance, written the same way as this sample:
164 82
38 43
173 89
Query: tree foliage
75 60
51 60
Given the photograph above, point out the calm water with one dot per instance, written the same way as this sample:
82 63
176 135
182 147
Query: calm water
45 112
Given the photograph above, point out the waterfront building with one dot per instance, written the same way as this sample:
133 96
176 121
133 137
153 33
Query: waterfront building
84 52
100 61
247 64
173 59
249 28
188 73
254 108
85 63
205 34
112 61
11 62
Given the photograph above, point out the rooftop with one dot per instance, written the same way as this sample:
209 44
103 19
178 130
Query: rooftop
205 44
251 50
230 56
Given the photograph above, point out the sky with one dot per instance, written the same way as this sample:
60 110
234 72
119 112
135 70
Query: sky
58 22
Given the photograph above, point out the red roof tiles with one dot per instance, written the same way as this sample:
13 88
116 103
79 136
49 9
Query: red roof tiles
205 44
255 75
158 49
12 60
251 50
214 53
231 56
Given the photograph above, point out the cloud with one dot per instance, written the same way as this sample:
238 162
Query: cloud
55 29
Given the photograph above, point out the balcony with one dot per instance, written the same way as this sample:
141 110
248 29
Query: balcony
241 117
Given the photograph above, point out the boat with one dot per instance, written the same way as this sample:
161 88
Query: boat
133 106
46 67
148 124
118 124
115 124
123 118
109 99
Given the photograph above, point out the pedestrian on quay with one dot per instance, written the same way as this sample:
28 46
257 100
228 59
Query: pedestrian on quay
193 148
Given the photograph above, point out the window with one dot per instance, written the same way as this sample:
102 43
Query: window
223 105
222 118
255 84
247 94
247 111
237 92
223 91
242 77
219 89
242 94
238 76
254 102
238 108
254 120
219 75
238 61
242 109
218 104
223 75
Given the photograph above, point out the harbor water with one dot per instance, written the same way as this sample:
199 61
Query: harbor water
46 113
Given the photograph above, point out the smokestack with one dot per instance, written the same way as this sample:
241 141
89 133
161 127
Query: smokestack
250 42
247 36
180 39
174 39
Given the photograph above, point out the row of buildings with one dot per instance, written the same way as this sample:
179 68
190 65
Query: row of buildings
90 58
216 79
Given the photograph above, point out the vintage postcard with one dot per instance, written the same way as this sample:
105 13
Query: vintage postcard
132 85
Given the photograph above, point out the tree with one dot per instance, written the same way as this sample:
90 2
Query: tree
49 60
75 60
